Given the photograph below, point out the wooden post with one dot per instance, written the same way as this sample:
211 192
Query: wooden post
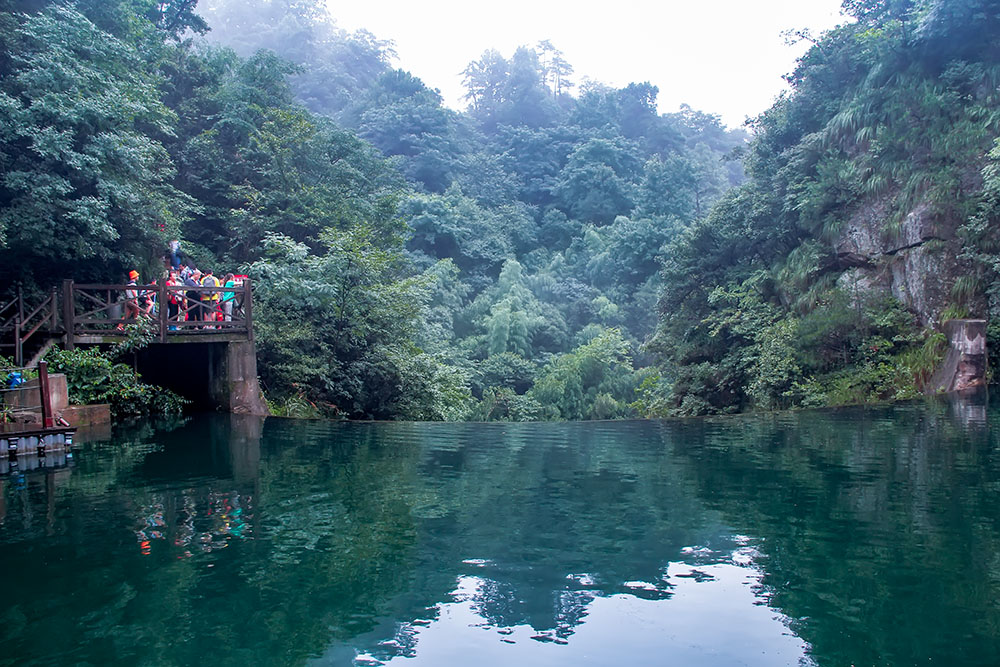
18 349
20 303
248 308
43 389
69 314
18 323
161 305
53 316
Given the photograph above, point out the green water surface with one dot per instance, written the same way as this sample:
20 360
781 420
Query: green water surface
862 536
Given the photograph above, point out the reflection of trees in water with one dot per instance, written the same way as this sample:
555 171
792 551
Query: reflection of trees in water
29 499
103 463
544 518
880 527
103 566
354 524
359 533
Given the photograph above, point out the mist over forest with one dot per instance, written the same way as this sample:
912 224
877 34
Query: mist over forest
558 250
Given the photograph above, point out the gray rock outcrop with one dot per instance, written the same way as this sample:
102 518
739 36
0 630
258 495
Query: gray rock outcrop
916 263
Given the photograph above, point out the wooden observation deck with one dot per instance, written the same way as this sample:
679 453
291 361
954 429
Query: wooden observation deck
216 370
83 314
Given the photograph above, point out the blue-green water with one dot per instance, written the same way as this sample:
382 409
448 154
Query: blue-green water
857 536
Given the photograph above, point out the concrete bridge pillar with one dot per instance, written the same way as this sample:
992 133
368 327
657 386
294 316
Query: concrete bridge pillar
235 387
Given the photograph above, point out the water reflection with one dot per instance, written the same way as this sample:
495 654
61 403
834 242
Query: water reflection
188 520
969 408
778 539
723 624
716 616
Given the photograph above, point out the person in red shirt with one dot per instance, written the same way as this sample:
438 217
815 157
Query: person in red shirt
174 298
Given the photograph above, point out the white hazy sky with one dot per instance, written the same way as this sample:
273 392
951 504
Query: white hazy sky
719 56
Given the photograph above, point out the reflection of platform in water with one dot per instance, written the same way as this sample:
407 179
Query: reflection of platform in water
31 447
30 461
30 488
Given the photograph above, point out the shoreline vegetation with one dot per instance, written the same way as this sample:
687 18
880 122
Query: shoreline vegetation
560 250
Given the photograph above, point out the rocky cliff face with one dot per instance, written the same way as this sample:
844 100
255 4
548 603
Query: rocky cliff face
964 367
917 264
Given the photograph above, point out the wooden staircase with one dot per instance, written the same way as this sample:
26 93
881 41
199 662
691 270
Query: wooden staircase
28 331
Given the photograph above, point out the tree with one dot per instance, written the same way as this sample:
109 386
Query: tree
555 70
407 120
535 158
340 327
596 184
524 98
259 163
637 106
454 226
337 68
667 188
86 181
484 80
594 380
514 314
878 12
177 16
509 92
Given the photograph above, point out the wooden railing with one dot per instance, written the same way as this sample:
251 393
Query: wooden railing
103 311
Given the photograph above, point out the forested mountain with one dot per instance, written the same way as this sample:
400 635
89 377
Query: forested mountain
505 261
411 261
538 216
868 219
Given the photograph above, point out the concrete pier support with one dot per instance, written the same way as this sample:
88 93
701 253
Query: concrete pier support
235 388
964 366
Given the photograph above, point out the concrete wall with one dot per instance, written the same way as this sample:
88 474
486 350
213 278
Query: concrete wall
87 415
27 395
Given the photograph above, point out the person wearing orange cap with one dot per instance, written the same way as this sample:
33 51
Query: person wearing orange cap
131 297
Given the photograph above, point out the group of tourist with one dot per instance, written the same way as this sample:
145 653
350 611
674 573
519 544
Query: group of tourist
186 300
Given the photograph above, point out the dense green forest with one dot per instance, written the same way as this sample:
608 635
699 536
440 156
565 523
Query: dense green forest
555 251
869 217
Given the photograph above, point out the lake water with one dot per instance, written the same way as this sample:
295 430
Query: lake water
867 536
